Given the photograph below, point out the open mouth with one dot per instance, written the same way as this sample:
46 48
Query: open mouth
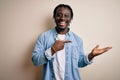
62 23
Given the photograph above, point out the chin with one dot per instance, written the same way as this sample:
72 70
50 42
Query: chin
61 27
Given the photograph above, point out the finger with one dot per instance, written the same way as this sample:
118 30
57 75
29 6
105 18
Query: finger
107 48
96 46
67 41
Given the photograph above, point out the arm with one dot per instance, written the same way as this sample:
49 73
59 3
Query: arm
41 55
95 52
83 59
38 56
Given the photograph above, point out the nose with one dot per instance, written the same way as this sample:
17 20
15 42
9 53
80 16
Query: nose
62 17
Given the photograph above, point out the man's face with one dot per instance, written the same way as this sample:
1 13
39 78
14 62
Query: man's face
63 18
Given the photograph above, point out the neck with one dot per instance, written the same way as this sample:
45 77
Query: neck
62 31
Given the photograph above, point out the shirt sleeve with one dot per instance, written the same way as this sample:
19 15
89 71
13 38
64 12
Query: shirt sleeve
48 54
38 55
87 60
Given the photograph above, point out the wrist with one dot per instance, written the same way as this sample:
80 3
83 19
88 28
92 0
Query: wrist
90 56
53 50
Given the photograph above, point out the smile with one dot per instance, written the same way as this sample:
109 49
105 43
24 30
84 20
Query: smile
62 23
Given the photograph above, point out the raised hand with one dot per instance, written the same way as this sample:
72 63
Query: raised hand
98 51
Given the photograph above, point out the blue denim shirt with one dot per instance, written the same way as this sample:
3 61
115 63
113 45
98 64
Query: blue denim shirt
74 55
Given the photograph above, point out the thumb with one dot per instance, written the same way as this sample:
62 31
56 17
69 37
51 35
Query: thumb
96 46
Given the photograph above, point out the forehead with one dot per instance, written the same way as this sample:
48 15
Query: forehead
63 10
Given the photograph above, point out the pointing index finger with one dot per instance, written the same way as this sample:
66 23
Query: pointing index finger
67 41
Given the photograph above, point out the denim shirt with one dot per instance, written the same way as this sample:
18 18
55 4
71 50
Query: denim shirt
74 55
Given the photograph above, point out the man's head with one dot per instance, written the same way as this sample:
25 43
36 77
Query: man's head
64 6
63 15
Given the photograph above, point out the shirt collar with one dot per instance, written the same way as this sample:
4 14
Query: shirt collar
68 33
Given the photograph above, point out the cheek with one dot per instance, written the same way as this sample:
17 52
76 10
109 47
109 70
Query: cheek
56 20
68 21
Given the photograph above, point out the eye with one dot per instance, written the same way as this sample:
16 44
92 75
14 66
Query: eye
67 16
58 15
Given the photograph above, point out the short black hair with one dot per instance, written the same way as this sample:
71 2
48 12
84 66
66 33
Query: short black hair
65 6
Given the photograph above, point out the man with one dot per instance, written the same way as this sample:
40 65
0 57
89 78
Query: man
60 51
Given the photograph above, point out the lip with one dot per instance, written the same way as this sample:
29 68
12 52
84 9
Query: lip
62 23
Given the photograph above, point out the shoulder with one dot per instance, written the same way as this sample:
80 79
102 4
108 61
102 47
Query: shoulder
46 34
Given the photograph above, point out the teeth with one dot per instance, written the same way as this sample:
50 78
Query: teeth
62 23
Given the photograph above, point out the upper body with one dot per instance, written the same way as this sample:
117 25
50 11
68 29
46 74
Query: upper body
47 46
74 55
